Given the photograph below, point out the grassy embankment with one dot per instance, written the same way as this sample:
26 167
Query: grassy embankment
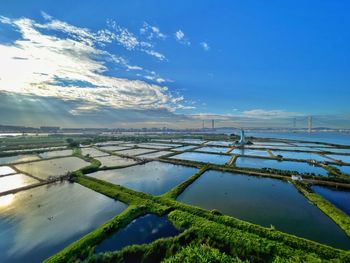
229 235
338 216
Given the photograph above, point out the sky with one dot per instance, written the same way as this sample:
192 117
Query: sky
174 63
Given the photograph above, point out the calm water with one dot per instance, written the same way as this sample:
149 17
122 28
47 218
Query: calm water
142 230
155 154
213 149
344 158
18 158
11 182
301 155
112 160
340 198
203 157
135 151
244 151
264 201
280 165
328 137
52 154
4 170
92 152
153 178
184 148
343 168
37 223
53 167
335 150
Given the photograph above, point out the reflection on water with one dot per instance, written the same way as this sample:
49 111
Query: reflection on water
203 157
264 201
338 197
18 158
11 182
37 223
142 230
4 170
300 167
153 178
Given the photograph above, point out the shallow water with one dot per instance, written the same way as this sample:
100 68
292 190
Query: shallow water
51 154
203 157
112 160
244 151
153 178
213 149
264 201
134 152
183 148
11 182
142 230
53 167
155 154
4 170
344 169
343 158
300 167
301 155
37 223
334 150
340 198
92 152
18 158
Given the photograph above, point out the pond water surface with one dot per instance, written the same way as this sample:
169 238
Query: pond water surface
203 157
142 230
153 178
340 198
18 158
264 201
260 163
37 223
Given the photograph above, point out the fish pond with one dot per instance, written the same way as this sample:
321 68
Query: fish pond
202 157
11 182
340 198
153 178
37 223
266 202
142 230
112 160
53 167
18 158
213 149
259 163
301 155
52 154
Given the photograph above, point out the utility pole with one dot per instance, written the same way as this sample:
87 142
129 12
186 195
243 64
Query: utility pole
310 124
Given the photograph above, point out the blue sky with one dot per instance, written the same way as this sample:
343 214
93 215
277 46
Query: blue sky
162 63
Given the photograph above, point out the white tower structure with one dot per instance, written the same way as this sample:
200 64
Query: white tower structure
242 140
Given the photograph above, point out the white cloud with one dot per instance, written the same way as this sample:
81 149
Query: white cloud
151 32
180 37
269 114
205 46
46 63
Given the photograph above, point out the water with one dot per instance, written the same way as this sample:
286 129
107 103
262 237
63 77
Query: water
153 178
335 150
142 230
37 223
264 201
203 157
343 168
11 182
18 158
327 137
184 148
53 167
112 160
5 170
155 154
301 155
340 198
343 158
114 148
52 154
92 152
134 152
222 143
213 149
244 151
300 167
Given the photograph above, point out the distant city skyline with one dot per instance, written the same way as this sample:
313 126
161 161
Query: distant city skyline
174 64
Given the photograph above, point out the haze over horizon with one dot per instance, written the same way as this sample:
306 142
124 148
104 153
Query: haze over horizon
174 64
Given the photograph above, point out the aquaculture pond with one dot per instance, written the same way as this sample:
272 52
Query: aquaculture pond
335 150
343 168
134 152
11 182
18 158
53 167
213 149
266 202
52 154
37 223
301 155
184 148
340 198
260 163
203 157
92 152
5 170
153 178
112 160
155 154
222 143
113 148
142 230
244 151
343 158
